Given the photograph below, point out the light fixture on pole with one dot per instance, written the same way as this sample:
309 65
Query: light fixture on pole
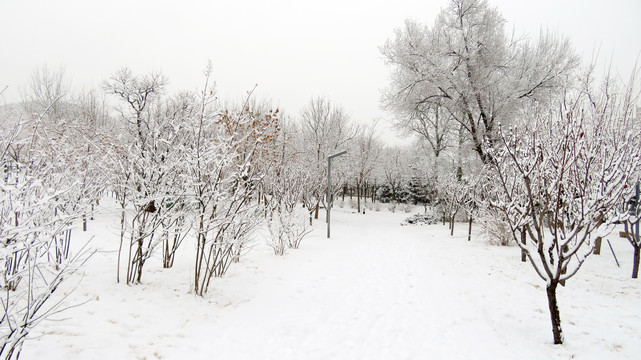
329 184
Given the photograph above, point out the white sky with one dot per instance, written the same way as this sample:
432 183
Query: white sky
293 49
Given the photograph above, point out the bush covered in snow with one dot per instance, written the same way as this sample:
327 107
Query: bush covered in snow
427 218
287 229
496 230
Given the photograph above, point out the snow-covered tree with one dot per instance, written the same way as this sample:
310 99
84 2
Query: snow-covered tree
365 154
631 217
325 129
283 188
222 177
559 176
394 169
465 67
148 161
47 90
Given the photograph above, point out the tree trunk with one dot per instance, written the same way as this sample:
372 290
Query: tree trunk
523 241
635 263
469 230
554 313
358 198
316 211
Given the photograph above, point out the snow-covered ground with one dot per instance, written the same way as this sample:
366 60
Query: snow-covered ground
375 290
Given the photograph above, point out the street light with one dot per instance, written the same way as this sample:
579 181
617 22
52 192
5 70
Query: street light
329 184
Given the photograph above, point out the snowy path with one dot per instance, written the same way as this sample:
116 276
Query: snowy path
374 291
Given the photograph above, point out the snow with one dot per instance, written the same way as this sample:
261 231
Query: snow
375 290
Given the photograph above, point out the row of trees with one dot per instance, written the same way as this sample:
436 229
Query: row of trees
183 167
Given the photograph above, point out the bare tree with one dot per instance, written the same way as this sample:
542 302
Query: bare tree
138 92
46 90
395 170
560 174
325 129
365 155
631 218
149 166
220 173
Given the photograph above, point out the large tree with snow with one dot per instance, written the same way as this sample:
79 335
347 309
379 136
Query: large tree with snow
466 68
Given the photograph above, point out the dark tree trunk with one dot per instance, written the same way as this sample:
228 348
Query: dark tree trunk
523 241
316 211
555 316
469 230
358 198
635 263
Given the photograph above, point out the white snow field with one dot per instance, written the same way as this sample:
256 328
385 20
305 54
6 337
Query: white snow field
375 290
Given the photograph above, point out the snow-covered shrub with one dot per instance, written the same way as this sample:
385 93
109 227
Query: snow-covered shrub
406 207
352 203
496 230
425 218
287 229
35 223
392 206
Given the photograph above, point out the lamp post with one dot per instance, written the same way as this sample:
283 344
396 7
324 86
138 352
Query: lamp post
329 184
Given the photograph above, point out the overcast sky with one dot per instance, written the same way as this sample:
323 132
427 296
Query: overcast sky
293 49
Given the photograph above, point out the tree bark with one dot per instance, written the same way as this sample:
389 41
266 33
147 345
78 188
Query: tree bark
635 263
523 241
555 316
452 225
469 230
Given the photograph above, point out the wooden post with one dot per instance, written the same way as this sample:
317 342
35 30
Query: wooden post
597 246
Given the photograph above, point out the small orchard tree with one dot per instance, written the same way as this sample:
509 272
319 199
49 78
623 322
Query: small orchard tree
456 195
631 214
559 176
149 166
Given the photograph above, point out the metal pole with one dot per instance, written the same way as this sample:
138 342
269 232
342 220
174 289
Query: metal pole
329 185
